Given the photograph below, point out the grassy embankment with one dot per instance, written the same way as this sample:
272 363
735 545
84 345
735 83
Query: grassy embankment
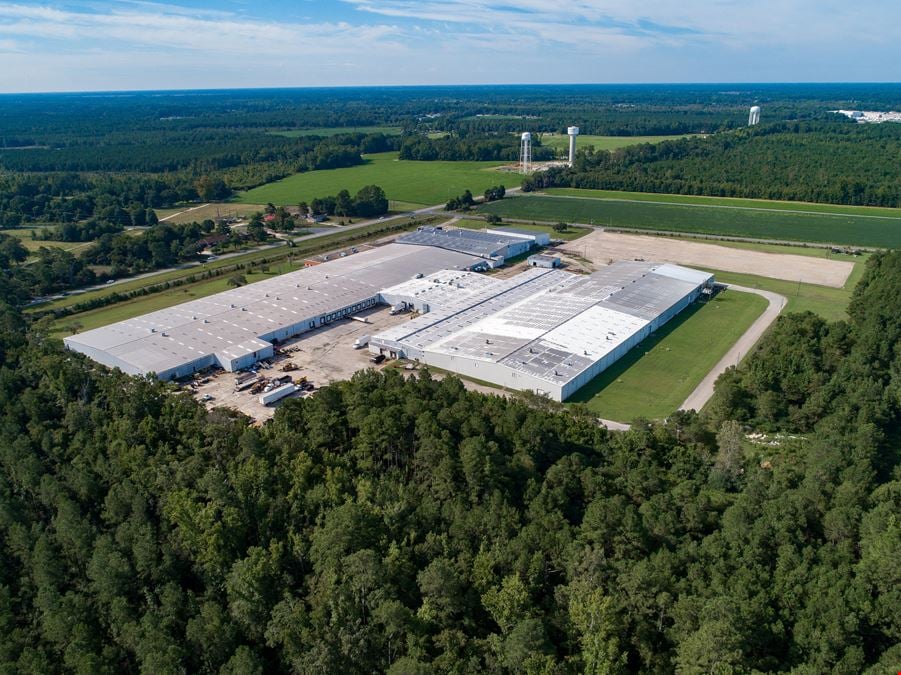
413 183
777 220
655 378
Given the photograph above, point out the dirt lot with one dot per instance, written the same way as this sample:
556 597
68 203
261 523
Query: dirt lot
323 356
603 247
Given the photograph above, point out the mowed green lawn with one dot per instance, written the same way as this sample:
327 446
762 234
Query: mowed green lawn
423 183
561 141
847 229
335 131
653 380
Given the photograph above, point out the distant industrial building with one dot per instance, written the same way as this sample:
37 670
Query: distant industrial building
543 330
493 246
236 328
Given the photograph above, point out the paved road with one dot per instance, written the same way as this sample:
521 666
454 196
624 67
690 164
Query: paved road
702 393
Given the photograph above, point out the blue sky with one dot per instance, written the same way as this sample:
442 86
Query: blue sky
134 44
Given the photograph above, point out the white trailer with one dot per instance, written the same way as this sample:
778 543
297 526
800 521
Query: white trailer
361 341
277 394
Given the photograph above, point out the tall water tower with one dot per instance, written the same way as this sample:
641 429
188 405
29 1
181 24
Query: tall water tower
572 132
754 116
525 153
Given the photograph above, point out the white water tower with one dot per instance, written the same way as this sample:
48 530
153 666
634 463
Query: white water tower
572 132
525 153
754 116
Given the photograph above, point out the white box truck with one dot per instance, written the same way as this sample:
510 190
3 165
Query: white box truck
277 394
361 342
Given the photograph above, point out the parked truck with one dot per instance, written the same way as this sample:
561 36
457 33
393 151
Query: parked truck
277 394
361 342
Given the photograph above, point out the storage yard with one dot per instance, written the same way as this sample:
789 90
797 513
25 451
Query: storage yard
316 358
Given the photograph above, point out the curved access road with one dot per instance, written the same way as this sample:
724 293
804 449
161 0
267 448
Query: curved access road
702 393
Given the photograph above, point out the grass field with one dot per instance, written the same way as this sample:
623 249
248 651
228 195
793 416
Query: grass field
422 183
696 200
561 141
335 131
655 378
829 303
195 214
24 235
570 234
827 228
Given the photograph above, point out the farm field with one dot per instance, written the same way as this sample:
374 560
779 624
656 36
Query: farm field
826 228
335 131
421 183
570 234
561 141
653 380
738 202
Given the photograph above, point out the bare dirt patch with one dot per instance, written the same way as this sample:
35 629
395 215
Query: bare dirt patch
602 247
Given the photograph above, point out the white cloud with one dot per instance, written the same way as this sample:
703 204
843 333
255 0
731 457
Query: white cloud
134 44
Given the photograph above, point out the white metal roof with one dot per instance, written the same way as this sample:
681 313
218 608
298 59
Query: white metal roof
551 325
232 322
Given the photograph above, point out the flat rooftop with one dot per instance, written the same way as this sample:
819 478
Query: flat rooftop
236 322
549 324
476 242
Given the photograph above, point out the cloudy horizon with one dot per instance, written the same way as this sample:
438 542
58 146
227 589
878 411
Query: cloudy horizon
108 45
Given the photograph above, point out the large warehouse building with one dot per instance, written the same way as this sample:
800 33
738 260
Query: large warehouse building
543 330
236 328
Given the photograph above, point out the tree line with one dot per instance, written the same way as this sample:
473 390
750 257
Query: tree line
474 148
836 163
368 202
406 525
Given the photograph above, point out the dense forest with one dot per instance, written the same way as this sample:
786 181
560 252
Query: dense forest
57 191
409 526
476 148
831 162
